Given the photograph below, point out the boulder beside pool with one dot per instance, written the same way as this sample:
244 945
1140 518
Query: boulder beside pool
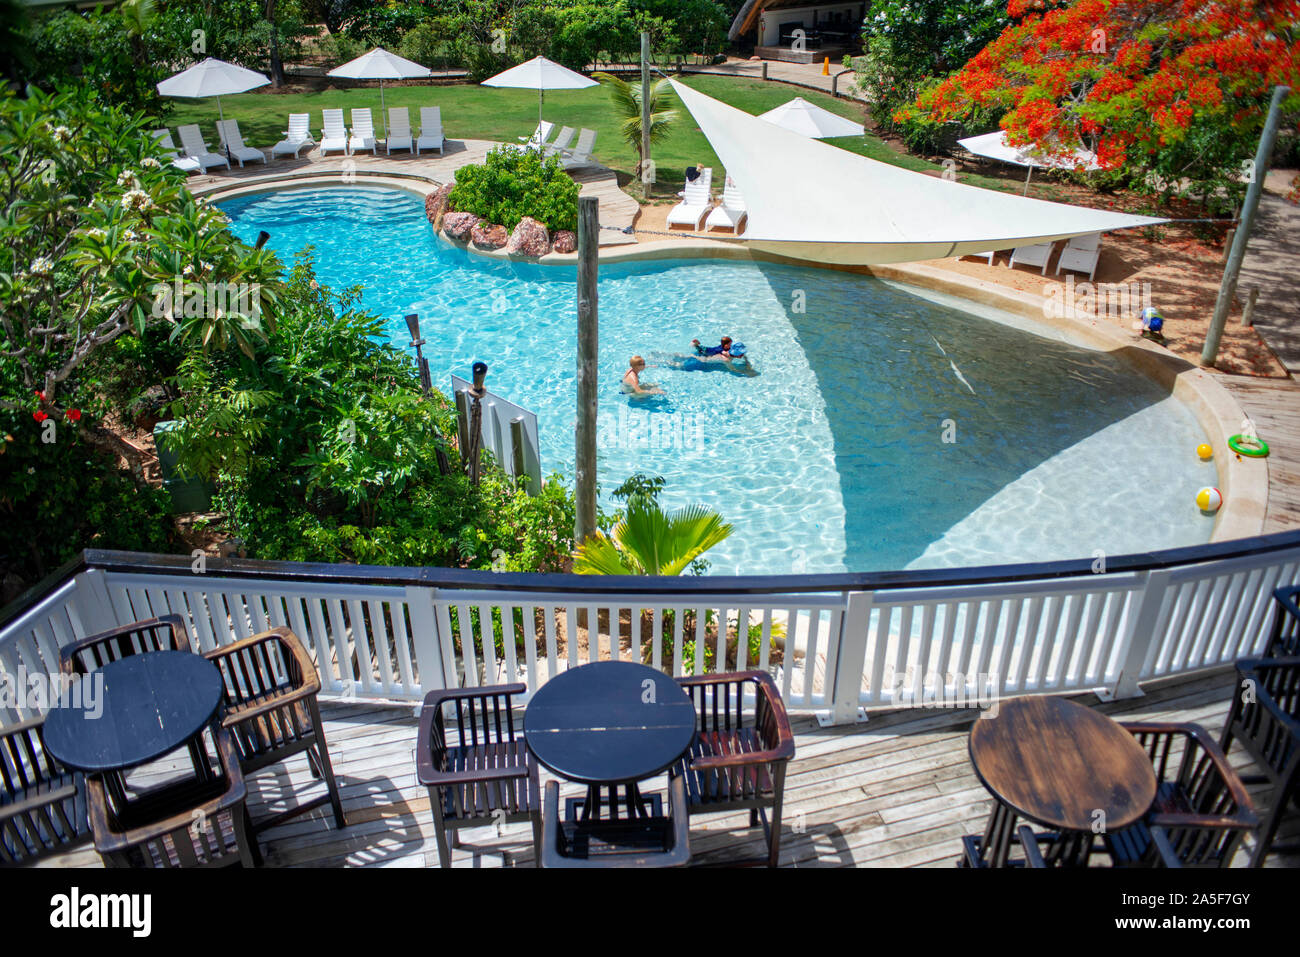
530 238
488 235
458 226
435 205
566 241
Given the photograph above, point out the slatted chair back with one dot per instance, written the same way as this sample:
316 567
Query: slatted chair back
270 688
431 121
192 824
42 804
399 122
299 127
699 193
1201 805
738 759
1285 638
363 124
472 757
165 633
332 124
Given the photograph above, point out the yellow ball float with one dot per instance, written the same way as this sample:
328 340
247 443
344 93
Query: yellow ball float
1209 499
1205 451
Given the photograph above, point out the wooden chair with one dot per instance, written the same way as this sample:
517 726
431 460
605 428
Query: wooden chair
738 761
192 824
1284 642
655 841
42 803
1201 809
486 774
165 633
1265 720
270 687
973 850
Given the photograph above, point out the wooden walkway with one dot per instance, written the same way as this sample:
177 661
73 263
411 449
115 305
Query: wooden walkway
1274 406
896 792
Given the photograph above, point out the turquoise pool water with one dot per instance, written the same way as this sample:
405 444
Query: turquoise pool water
888 427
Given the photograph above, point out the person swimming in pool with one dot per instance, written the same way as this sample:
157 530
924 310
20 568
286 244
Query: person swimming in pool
632 384
723 349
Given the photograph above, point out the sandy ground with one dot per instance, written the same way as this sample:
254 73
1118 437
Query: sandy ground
1180 272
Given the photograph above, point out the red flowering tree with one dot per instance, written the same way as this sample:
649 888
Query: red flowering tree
1179 87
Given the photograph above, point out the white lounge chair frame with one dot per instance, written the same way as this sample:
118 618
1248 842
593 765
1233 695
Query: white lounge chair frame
1039 254
430 137
334 134
399 130
561 142
696 204
232 143
1081 254
580 155
192 145
363 130
296 136
187 163
731 212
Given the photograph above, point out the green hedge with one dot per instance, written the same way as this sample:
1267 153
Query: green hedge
514 183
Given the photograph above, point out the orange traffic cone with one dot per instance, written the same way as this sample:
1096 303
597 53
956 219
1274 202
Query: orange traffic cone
826 66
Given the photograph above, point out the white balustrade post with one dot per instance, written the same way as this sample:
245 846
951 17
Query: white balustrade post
425 638
845 692
91 602
1141 632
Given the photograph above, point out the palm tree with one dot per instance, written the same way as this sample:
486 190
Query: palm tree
649 542
627 101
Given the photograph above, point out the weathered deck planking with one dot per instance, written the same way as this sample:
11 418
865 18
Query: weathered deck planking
1274 406
896 792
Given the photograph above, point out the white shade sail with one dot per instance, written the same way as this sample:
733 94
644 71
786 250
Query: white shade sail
540 73
808 119
212 77
994 145
379 64
814 201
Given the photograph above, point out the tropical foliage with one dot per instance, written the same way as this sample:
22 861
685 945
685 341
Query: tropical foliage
626 98
513 183
1178 87
648 541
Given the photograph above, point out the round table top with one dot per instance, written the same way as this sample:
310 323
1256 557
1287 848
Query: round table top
133 710
609 722
1058 763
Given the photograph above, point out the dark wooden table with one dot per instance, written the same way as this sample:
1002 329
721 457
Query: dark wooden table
134 710
1062 766
609 724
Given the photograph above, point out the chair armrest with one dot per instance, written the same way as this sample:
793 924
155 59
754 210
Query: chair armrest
18 808
1198 737
1033 856
180 638
430 777
236 792
1165 850
438 695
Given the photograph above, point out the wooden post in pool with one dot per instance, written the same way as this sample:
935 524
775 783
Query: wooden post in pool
588 352
645 115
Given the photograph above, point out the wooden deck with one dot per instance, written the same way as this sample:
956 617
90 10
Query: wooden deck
896 792
1274 406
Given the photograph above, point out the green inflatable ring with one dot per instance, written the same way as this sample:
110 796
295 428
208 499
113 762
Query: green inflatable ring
1254 447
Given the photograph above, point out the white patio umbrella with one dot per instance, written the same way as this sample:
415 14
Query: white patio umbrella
800 116
994 145
380 65
212 77
540 74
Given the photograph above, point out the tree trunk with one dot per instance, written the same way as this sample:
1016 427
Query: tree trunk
277 68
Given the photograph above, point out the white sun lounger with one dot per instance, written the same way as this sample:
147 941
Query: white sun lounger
232 143
580 155
431 137
192 145
696 204
297 136
561 142
334 135
399 130
1035 255
732 210
540 136
1081 254
363 130
187 163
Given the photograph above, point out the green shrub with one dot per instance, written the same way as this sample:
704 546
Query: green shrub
515 183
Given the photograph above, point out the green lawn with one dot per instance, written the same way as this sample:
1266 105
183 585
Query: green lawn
478 112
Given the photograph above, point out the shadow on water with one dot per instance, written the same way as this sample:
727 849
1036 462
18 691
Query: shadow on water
959 406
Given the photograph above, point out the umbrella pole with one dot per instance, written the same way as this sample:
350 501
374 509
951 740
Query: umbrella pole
221 128
1027 178
384 111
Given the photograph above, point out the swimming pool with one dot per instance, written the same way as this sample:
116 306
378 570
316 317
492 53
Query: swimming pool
889 427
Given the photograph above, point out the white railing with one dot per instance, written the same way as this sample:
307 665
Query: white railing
835 646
